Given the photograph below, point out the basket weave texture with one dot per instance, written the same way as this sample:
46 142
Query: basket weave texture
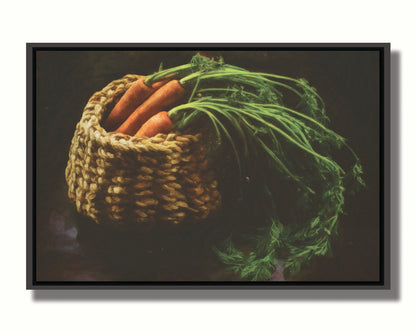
117 178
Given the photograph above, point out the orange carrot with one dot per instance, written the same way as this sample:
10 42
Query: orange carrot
159 123
164 97
132 98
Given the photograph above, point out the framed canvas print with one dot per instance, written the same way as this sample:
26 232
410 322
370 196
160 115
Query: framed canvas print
208 165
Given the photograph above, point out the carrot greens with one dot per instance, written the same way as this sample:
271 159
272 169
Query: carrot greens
281 122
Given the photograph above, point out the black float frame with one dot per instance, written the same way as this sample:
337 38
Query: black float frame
385 170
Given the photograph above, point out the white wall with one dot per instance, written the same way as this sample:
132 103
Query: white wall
196 21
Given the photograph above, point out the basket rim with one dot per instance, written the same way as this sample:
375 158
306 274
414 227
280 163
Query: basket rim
96 107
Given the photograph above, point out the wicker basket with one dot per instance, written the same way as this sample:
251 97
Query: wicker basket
120 179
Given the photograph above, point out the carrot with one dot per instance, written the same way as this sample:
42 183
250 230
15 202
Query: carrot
159 123
167 95
132 98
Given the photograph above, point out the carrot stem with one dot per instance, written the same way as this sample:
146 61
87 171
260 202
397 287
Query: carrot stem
169 73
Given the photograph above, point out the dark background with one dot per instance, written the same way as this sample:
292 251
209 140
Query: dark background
71 248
